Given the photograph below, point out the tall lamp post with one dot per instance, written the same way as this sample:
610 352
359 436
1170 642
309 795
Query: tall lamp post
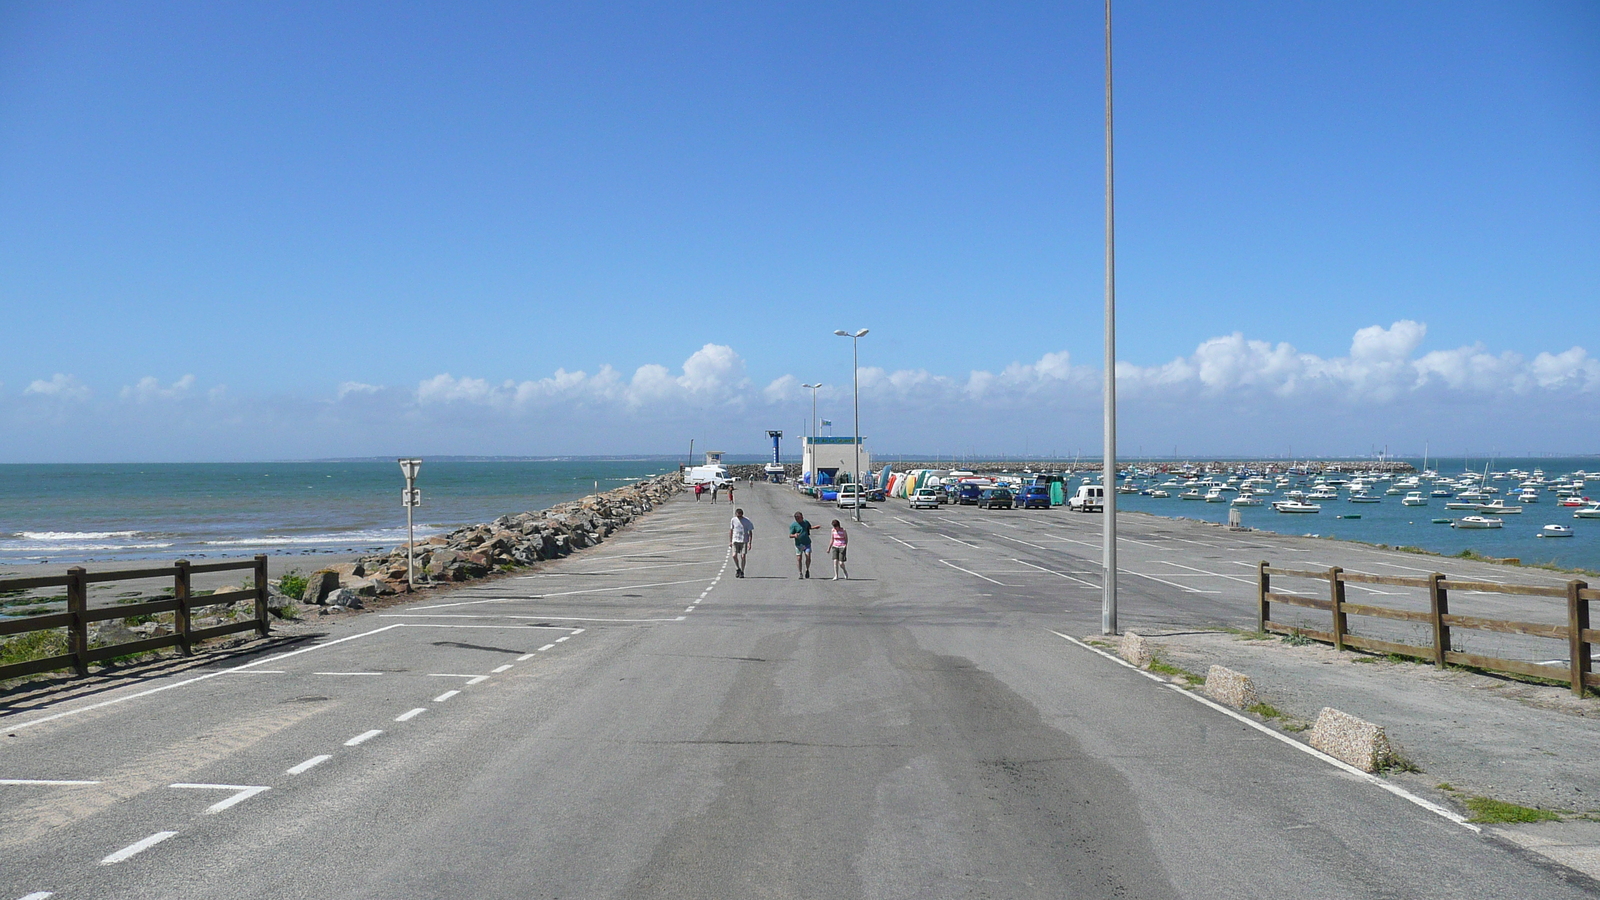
855 366
813 388
412 499
1108 610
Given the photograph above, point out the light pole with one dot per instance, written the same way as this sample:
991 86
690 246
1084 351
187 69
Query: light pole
1108 481
412 498
813 388
855 367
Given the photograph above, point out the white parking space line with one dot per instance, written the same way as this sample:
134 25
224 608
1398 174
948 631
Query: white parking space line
507 616
477 679
615 587
309 764
1006 537
363 737
448 675
546 647
410 714
897 540
445 696
1184 588
970 572
135 849
38 895
242 792
676 550
498 669
525 657
347 673
1059 574
703 562
959 541
42 782
566 637
1238 578
256 672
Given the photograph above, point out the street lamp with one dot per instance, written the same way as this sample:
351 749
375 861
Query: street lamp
1108 481
855 365
813 388
412 498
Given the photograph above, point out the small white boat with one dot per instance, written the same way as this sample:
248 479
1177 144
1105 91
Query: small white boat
1245 500
1364 497
1462 504
1191 494
1556 531
1215 496
1500 507
1477 522
1296 506
1588 512
1158 492
1414 498
1575 501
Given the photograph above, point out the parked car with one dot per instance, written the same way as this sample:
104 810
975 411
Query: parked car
926 498
1089 498
967 494
851 497
1034 496
994 498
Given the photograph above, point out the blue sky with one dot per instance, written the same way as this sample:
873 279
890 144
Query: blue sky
261 231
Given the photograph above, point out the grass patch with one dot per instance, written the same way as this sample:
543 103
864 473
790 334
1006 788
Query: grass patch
1397 762
1297 638
293 584
1172 671
1489 811
1296 727
1265 710
1445 786
33 645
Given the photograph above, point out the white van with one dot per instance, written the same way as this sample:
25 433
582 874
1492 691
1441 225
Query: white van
1089 498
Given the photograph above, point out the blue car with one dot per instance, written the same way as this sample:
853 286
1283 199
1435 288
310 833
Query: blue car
1034 496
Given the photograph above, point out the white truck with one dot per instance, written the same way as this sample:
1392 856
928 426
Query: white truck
1089 498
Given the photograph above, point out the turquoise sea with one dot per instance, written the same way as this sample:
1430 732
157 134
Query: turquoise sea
1388 522
68 514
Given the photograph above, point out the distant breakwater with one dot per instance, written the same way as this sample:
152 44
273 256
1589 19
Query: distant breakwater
509 542
997 467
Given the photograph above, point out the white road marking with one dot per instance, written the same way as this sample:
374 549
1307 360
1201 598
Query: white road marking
363 737
703 562
566 637
136 848
498 669
959 541
578 631
525 657
257 672
448 675
347 673
1304 748
970 572
188 681
445 696
615 587
410 714
477 679
546 647
42 782
242 793
690 609
897 540
309 764
39 895
1021 541
1186 590
504 616
1204 572
1060 574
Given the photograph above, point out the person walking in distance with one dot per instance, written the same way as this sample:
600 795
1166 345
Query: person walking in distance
740 533
838 542
730 490
801 532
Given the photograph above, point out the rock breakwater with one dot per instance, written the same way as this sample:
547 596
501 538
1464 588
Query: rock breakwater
508 542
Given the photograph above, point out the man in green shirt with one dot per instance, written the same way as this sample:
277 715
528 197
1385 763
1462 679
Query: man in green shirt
801 532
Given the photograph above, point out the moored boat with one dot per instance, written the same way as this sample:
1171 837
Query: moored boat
1296 506
1477 522
1554 531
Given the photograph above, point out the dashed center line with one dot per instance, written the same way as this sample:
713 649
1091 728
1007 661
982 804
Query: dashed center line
545 647
363 737
498 669
408 715
135 849
242 792
445 696
309 764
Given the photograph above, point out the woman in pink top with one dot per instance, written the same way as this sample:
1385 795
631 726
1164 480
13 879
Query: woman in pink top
836 549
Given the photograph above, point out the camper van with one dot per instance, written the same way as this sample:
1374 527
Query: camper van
1089 498
713 473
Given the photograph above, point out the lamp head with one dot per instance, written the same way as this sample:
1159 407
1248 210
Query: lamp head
848 334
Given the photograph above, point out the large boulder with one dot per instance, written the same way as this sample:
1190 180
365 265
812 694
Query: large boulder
319 585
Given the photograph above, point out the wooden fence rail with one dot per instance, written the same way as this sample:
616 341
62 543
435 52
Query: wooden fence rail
182 604
1576 632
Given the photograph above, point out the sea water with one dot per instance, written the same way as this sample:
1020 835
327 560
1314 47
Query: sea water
70 513
1389 522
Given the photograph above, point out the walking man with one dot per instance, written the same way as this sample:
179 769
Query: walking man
838 543
801 532
740 534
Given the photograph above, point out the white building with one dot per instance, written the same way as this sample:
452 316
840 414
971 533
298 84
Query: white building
834 457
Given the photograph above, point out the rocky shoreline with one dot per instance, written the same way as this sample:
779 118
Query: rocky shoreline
477 551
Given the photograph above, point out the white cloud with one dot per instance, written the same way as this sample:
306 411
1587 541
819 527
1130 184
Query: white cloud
356 387
62 387
149 389
712 375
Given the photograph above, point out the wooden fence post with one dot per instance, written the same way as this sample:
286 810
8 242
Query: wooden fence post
78 631
1263 587
1336 594
1439 606
1577 621
180 617
261 594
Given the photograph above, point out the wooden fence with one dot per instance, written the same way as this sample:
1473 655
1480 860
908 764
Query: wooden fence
1576 632
182 604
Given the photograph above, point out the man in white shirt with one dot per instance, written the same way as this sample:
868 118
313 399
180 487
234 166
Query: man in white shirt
740 533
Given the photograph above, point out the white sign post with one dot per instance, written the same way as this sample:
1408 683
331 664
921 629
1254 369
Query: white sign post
412 498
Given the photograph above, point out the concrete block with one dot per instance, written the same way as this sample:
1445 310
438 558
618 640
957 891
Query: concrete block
1226 686
1349 739
1135 649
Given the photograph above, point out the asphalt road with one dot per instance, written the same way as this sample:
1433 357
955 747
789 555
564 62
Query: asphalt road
636 722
